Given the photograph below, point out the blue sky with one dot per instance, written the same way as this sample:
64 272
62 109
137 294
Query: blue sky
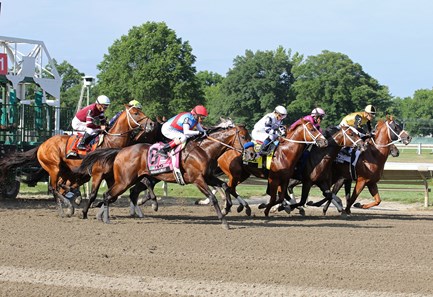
391 39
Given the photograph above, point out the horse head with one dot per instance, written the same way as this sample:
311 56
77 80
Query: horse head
306 132
397 132
389 132
346 137
134 120
229 135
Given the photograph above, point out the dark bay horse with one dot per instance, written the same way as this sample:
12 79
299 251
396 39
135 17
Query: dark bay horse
283 162
101 167
51 154
369 167
316 168
198 160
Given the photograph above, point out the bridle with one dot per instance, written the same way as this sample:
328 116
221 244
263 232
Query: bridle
131 120
391 133
346 137
306 132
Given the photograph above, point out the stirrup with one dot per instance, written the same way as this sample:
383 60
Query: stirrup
71 154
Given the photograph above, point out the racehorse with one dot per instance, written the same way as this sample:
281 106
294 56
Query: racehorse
281 169
99 165
51 154
197 163
316 168
369 167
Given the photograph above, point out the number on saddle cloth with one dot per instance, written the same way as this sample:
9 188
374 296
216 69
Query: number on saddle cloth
158 164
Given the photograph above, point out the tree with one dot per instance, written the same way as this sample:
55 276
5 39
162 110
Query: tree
333 82
257 83
211 84
72 80
417 113
153 66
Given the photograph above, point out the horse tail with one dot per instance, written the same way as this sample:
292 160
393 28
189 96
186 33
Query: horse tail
105 157
18 159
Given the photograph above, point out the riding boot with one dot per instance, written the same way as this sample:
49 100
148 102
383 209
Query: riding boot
84 141
263 148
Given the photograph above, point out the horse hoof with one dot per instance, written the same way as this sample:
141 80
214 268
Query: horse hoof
224 224
155 206
202 202
248 210
310 203
357 205
240 208
78 200
275 208
302 212
262 205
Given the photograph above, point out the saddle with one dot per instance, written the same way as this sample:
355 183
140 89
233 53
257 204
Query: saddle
350 156
158 164
72 152
263 162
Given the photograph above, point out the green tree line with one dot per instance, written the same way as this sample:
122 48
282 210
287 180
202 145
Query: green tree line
156 67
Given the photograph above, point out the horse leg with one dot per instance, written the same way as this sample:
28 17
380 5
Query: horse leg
204 188
273 191
232 183
216 182
61 201
96 183
143 185
374 191
150 195
359 186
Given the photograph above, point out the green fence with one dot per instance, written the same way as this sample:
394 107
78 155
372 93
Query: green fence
22 124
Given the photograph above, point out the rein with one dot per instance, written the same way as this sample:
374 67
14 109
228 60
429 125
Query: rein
345 136
305 136
227 145
130 118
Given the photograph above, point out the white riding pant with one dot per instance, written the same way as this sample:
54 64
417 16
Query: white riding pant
80 126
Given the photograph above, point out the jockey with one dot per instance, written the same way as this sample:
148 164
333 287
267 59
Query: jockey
314 118
84 120
360 119
267 128
132 103
180 127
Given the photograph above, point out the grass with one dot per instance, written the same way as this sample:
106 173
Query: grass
407 155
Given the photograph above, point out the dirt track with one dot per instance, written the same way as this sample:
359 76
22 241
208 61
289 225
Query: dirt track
181 250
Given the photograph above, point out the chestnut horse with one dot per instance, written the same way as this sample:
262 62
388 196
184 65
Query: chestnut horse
283 162
198 160
51 154
369 167
317 167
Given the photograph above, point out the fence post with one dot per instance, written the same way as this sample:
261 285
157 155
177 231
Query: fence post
419 149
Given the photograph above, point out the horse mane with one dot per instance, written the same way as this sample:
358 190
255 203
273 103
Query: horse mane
302 121
331 130
224 124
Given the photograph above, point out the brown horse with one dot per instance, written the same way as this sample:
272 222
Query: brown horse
197 164
283 162
315 169
51 154
369 167
101 167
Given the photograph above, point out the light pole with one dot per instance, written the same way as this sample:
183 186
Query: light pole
88 82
